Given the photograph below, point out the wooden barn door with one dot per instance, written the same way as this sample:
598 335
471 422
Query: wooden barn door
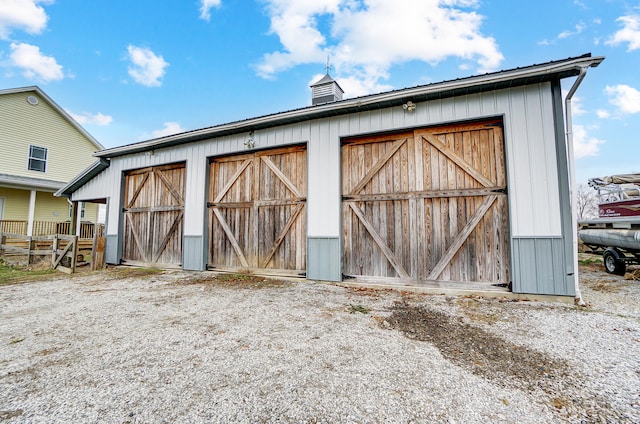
427 205
153 215
257 217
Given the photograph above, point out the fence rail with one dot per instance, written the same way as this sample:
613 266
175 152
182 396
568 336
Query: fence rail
62 248
47 228
66 251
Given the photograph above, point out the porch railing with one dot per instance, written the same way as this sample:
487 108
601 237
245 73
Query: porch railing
47 228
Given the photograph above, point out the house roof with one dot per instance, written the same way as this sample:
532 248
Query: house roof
550 71
57 107
30 183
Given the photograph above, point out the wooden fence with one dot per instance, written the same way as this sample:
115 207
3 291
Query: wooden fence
67 252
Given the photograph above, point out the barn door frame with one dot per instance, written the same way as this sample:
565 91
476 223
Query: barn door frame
415 140
252 162
149 250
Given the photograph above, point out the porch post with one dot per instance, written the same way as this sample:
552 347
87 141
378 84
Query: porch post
74 218
78 211
32 212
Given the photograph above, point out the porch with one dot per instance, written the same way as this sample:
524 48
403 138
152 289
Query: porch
47 228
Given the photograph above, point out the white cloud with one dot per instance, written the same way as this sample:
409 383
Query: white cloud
147 67
578 29
24 15
603 114
205 7
365 38
625 98
85 118
584 145
630 33
34 63
169 128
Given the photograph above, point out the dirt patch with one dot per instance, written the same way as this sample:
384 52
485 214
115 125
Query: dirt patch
605 286
498 360
5 415
241 281
121 272
633 275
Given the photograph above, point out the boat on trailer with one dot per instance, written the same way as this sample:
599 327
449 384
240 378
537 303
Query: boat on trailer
616 232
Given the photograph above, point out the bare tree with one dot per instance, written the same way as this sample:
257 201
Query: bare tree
587 202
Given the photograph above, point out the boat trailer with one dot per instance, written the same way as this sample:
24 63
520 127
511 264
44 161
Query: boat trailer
615 234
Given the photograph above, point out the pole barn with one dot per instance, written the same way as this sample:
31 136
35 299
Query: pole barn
463 185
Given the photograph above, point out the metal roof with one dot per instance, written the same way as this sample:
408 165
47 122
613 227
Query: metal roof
82 178
324 80
550 71
61 111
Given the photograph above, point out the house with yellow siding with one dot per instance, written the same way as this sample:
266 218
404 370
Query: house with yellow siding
43 148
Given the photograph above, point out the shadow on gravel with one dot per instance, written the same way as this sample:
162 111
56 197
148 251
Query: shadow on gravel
502 362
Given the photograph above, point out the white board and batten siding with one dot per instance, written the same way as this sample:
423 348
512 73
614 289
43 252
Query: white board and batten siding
531 166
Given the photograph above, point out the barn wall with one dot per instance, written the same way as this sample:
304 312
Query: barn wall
529 143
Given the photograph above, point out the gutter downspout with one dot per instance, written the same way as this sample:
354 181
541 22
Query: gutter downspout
572 180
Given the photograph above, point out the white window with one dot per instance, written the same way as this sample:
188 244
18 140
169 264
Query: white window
83 207
37 158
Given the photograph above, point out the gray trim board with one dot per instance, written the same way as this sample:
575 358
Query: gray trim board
324 259
539 266
111 249
193 252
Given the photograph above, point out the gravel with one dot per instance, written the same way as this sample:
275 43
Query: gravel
121 346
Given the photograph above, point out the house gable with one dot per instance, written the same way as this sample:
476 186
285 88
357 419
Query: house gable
28 117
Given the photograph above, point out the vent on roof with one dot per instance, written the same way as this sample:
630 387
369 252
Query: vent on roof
326 90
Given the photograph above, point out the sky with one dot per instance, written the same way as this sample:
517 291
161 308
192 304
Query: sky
130 71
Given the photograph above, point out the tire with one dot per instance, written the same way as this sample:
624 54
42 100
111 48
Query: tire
613 262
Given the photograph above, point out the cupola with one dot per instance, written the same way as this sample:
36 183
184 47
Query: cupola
326 90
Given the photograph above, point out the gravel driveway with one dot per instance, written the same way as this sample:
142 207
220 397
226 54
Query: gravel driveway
122 346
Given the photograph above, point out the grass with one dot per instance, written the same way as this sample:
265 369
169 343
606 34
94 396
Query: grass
358 308
13 274
587 259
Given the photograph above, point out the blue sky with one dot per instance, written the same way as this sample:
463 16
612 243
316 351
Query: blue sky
134 70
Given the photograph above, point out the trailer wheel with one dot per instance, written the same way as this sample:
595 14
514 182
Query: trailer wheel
613 262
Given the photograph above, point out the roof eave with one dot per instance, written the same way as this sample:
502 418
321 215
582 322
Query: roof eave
475 84
82 178
29 183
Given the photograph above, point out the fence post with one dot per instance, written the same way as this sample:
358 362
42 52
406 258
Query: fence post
3 240
29 248
74 258
54 250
